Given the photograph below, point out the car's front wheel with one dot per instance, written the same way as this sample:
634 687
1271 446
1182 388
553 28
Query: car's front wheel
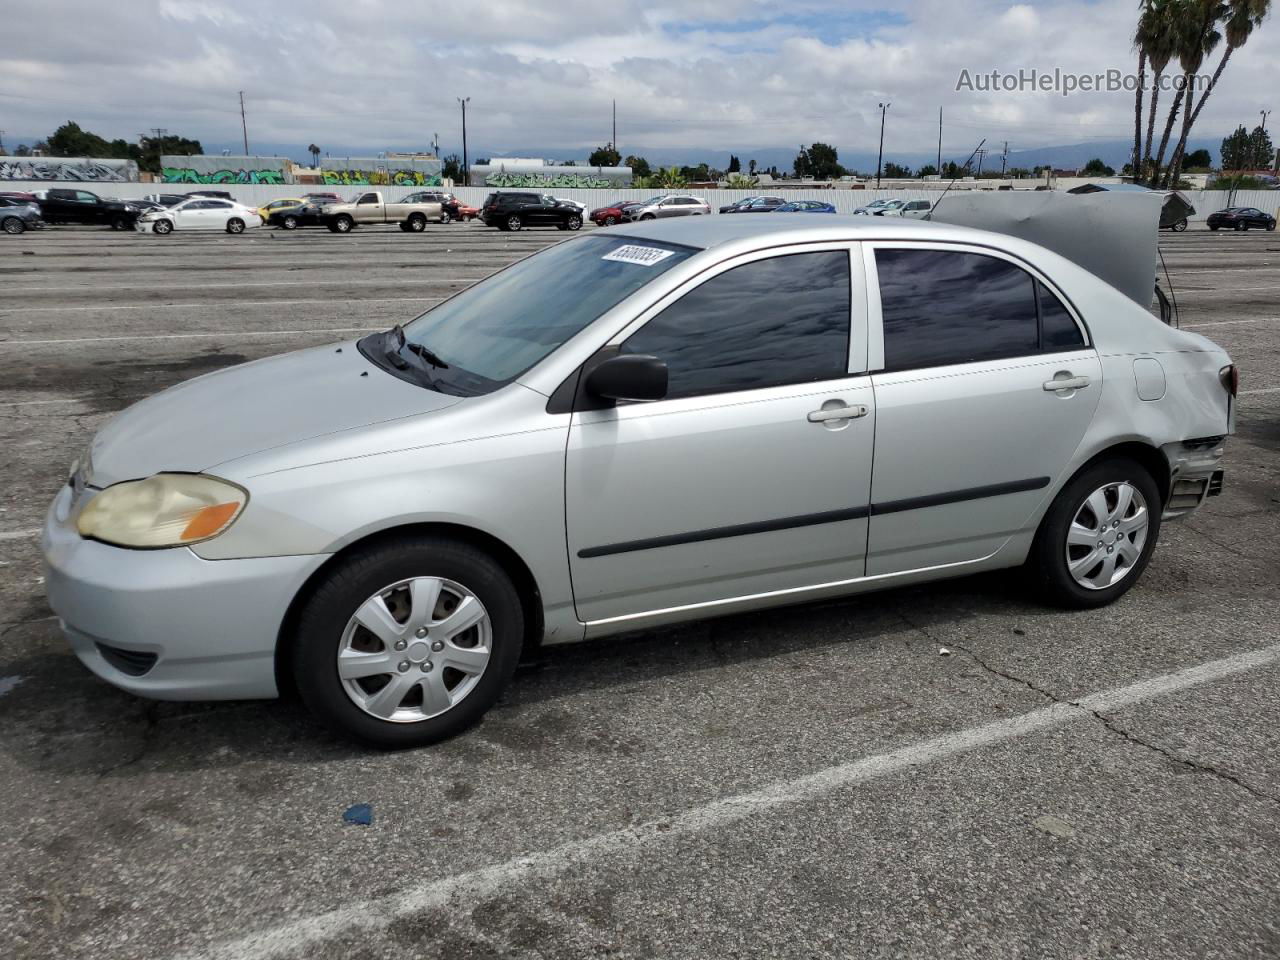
162 227
289 223
12 225
408 642
1098 535
445 215
648 216
342 224
120 223
1241 226
610 221
416 223
574 222
1213 227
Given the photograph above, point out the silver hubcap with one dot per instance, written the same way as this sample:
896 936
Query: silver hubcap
1107 535
415 649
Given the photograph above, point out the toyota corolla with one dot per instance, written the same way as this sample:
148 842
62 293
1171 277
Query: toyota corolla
668 421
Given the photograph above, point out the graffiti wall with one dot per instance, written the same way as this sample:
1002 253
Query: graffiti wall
208 169
524 175
68 168
381 171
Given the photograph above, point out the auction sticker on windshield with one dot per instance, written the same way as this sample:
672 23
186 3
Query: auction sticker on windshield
644 256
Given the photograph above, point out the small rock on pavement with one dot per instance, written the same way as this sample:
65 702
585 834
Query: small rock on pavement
361 813
944 652
1055 826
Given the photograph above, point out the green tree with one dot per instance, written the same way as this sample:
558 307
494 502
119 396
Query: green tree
1247 151
669 178
315 155
751 168
734 165
605 156
895 172
1096 168
639 167
451 168
928 170
736 181
1198 160
71 141
701 173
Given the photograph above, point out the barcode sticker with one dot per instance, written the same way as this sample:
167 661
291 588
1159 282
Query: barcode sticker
644 256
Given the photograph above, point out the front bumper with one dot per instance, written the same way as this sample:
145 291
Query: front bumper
210 625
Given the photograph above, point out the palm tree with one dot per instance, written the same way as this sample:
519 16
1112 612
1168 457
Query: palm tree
669 178
1242 18
1156 37
315 155
1199 40
1139 43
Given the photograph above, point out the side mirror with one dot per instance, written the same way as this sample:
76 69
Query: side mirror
631 376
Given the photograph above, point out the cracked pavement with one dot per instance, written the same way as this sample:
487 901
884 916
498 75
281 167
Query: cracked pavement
776 784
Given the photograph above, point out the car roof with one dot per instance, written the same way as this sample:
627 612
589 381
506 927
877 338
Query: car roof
708 232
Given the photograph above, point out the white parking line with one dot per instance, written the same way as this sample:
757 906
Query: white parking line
219 304
228 335
295 936
1263 390
20 534
1223 323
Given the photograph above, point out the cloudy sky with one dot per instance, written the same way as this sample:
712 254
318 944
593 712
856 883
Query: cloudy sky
735 75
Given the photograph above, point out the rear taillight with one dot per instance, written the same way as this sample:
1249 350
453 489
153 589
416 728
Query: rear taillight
1230 377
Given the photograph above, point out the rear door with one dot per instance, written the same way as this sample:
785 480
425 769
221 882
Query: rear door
971 431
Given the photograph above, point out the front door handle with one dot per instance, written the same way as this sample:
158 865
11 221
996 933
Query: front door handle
837 413
1066 383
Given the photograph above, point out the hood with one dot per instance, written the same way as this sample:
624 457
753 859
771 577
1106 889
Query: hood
243 410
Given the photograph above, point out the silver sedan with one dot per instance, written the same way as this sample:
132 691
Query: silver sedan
667 421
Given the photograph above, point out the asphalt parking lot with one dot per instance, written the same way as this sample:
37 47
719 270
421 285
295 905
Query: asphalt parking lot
818 781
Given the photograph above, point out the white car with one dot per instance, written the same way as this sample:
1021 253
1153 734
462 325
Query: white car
876 206
582 207
911 209
201 213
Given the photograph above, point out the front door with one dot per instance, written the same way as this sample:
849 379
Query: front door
753 475
972 428
194 215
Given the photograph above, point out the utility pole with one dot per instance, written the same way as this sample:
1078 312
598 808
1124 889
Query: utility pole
244 127
466 167
981 155
1004 157
614 142
884 107
939 143
435 144
1 141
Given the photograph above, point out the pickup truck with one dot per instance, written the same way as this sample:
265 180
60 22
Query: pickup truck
80 206
372 208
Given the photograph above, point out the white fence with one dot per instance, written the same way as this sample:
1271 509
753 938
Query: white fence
845 201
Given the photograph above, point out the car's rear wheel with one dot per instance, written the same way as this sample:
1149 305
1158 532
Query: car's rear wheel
445 215
416 223
235 225
289 223
342 224
514 222
408 642
14 226
610 221
1241 226
1180 225
1097 536
162 227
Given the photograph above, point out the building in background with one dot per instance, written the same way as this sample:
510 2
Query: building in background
206 169
390 169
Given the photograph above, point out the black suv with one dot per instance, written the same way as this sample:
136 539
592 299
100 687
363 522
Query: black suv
514 211
81 206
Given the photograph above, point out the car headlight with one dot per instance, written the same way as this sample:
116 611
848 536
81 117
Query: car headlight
165 510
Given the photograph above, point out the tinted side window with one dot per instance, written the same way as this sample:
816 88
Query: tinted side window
1058 330
941 308
767 323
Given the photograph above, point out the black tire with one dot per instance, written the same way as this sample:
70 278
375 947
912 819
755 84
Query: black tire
342 224
1241 226
235 225
648 216
404 227
1180 226
1271 226
1213 227
416 223
610 221
514 222
13 226
1047 562
573 223
289 223
445 216
344 588
162 227
119 223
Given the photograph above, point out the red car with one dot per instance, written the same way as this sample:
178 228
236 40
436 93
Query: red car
618 213
19 195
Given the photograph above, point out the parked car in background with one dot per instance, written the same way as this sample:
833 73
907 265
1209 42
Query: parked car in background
614 213
515 210
875 206
62 205
286 203
671 205
451 207
19 195
201 213
18 216
145 206
582 207
758 205
911 209
806 206
372 207
308 214
335 197
166 199
220 194
384 526
1241 218
728 207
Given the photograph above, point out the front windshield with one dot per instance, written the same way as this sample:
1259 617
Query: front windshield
494 331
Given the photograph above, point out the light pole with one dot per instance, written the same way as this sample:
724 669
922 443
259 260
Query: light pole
884 107
1263 138
466 167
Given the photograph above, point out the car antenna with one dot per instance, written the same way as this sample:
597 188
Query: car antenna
929 215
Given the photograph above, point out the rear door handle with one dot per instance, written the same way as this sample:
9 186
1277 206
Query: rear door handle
837 413
1066 383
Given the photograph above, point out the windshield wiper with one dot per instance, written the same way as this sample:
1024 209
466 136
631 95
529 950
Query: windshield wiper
426 354
392 353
